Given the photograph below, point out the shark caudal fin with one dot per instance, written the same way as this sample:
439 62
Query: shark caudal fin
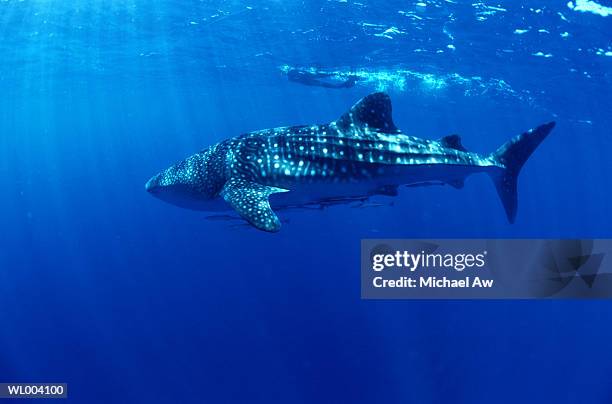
512 155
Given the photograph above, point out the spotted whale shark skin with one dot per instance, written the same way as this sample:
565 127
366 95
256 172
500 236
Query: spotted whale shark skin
359 155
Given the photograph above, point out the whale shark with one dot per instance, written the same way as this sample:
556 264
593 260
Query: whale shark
357 156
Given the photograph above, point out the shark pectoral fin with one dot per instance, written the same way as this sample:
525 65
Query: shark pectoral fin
250 200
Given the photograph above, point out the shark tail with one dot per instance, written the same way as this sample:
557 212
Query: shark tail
513 155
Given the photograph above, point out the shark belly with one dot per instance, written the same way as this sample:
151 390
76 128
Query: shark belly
366 180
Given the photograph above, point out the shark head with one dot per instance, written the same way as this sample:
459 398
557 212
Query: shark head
191 183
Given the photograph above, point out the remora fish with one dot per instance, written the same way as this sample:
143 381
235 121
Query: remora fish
359 155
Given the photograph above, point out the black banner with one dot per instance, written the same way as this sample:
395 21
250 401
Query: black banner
486 269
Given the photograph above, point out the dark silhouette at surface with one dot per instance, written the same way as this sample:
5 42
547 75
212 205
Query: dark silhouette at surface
327 80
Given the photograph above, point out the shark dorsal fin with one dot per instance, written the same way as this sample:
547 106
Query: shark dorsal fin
373 111
452 142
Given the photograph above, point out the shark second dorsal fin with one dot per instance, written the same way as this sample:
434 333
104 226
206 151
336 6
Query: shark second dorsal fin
250 200
373 111
452 142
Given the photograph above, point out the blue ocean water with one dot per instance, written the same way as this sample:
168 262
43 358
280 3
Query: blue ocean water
128 299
